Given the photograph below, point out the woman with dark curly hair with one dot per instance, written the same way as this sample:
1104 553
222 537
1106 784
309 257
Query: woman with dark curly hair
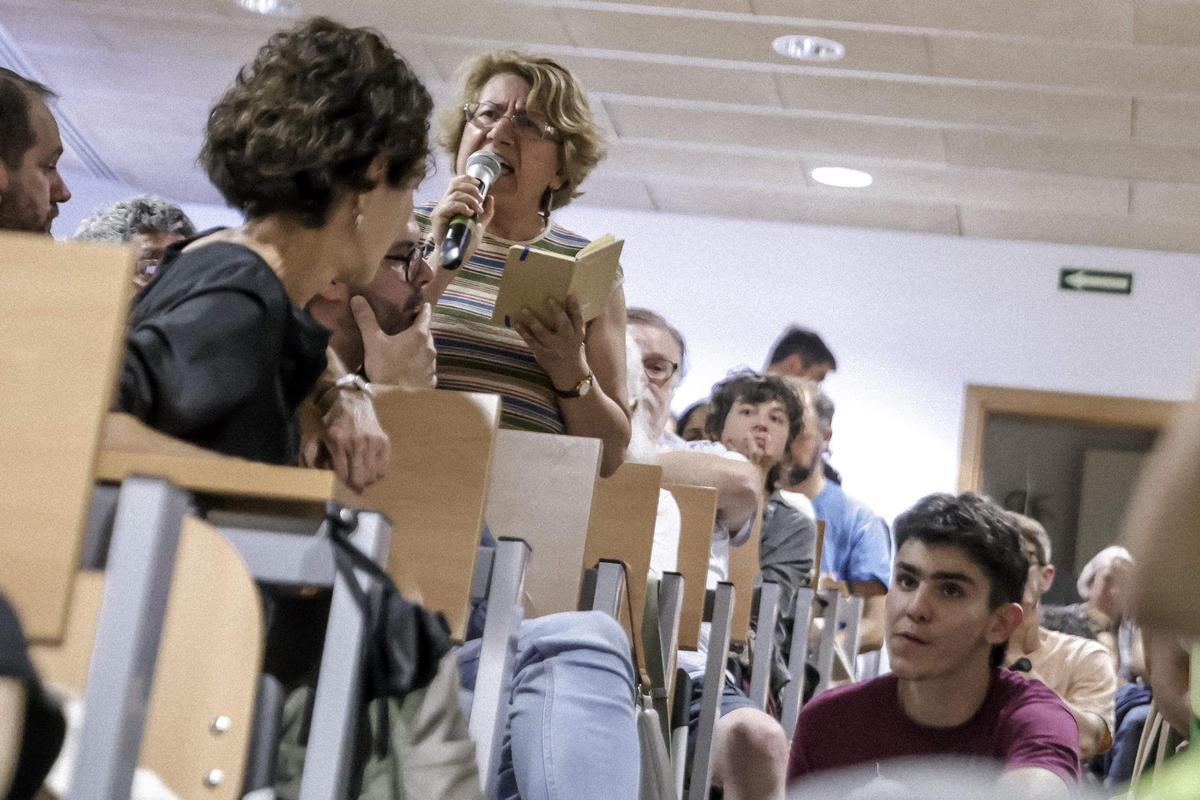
555 373
320 141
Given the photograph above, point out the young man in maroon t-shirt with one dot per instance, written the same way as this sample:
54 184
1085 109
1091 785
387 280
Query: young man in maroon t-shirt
958 579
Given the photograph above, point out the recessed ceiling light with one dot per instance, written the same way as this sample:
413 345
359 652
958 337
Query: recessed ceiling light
810 48
273 8
842 177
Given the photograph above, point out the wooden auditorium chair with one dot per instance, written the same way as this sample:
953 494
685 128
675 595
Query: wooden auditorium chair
62 317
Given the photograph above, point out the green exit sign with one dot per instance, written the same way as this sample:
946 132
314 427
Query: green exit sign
1077 279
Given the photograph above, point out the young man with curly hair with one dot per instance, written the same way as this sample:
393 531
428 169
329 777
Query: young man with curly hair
959 575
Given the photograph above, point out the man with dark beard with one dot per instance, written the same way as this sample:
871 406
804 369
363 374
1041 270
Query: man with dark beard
30 186
858 546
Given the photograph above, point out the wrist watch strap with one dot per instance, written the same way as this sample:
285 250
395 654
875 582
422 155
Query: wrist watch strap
579 390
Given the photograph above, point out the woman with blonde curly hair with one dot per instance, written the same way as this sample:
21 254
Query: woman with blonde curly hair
320 142
554 373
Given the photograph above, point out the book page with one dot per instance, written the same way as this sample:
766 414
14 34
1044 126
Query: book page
532 277
594 276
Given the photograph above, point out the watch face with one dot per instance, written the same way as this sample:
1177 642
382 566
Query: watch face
585 386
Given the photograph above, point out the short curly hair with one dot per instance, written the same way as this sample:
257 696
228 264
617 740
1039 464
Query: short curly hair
748 386
303 122
555 94
119 222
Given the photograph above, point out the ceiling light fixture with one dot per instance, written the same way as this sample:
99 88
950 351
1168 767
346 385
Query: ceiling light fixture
272 8
842 177
809 48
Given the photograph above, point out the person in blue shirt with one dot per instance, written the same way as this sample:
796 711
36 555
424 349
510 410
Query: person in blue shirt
858 544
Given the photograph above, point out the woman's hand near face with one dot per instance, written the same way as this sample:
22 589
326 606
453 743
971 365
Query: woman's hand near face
462 197
556 336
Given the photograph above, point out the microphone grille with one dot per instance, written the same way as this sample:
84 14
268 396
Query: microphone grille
483 165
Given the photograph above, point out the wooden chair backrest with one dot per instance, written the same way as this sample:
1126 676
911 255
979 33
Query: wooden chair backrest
209 661
698 514
624 510
62 320
434 493
743 569
541 491
819 552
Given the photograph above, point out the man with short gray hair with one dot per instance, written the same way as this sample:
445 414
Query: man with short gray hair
150 223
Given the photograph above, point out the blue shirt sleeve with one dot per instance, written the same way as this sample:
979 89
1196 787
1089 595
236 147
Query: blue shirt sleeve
870 556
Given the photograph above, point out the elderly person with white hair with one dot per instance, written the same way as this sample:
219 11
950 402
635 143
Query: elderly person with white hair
150 223
1105 587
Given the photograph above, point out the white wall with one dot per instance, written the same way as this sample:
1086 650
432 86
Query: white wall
89 194
912 319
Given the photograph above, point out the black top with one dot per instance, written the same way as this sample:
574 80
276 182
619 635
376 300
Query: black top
217 354
44 727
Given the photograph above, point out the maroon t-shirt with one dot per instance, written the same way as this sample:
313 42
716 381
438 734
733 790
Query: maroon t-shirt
1020 724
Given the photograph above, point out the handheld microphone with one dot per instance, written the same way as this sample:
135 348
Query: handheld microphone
484 167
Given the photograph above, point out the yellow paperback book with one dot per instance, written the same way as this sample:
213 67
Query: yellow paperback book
532 277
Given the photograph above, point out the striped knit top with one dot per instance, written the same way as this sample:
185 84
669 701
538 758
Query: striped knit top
475 356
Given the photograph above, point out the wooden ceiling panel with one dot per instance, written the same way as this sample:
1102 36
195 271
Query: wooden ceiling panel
1153 199
892 181
602 191
1174 120
102 71
721 201
449 57
998 188
780 132
1167 22
735 40
727 6
1014 112
658 159
228 44
1069 114
1098 20
29 25
677 81
485 20
1108 159
1106 231
1068 64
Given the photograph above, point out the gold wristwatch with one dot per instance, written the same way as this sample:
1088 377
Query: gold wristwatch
579 390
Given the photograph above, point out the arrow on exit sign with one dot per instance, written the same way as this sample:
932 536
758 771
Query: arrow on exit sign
1094 280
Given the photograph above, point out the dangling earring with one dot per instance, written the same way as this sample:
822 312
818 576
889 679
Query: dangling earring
358 221
544 208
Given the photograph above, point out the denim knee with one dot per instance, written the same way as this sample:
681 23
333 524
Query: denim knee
593 630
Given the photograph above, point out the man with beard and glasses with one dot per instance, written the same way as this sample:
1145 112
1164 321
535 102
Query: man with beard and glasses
31 187
858 547
381 331
572 671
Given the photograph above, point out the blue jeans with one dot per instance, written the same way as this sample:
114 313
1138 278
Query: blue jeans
1132 709
570 731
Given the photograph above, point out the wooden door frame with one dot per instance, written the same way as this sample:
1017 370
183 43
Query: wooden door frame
1090 409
